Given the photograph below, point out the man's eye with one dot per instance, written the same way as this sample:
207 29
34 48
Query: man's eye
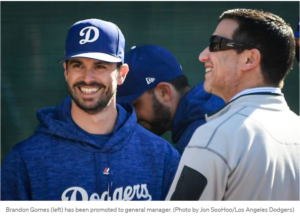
77 66
100 67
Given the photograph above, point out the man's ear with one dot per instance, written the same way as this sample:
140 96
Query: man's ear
65 70
164 91
122 73
250 59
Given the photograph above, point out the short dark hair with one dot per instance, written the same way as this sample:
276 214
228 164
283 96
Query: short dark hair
118 64
180 84
271 35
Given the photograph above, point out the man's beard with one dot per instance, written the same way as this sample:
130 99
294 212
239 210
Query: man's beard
98 105
162 117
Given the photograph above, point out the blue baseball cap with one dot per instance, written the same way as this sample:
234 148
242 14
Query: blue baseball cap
297 32
95 39
148 65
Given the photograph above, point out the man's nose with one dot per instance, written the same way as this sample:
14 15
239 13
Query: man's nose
204 55
89 76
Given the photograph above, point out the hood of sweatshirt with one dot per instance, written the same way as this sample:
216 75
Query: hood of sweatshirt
192 107
57 121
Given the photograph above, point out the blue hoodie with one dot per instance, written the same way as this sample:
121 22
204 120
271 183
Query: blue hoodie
190 114
61 162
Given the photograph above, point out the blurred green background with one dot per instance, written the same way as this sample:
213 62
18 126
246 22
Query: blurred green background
33 36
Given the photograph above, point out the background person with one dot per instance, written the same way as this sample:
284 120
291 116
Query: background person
161 95
249 150
88 147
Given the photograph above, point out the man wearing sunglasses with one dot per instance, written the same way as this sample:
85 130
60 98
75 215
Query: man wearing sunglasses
248 150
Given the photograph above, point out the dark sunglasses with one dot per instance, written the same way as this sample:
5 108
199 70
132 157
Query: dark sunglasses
219 43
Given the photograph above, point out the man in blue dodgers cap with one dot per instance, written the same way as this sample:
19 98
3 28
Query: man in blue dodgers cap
88 147
161 95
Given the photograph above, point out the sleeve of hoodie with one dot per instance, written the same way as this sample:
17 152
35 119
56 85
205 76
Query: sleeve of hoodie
14 178
171 164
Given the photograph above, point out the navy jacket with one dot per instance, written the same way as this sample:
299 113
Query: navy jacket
190 114
60 162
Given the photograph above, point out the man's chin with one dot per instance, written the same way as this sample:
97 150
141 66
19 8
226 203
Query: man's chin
89 106
207 86
92 109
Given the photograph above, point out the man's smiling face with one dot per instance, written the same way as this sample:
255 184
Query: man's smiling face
91 83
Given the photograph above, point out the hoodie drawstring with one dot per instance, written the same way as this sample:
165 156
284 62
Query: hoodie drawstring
98 174
109 177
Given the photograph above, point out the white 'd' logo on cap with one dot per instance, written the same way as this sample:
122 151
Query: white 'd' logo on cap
88 34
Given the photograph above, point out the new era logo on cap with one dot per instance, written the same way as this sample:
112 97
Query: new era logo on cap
150 80
95 39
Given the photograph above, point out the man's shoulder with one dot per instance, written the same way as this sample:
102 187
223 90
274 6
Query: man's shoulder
224 125
36 142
